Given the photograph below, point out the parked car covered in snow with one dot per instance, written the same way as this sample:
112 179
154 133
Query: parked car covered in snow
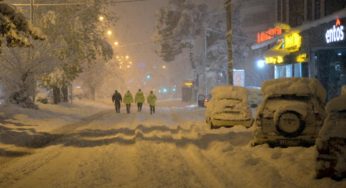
292 112
331 141
228 107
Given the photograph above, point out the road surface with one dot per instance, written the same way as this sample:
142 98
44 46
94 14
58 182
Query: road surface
172 148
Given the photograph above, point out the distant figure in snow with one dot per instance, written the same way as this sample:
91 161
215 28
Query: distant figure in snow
139 99
151 101
116 98
128 99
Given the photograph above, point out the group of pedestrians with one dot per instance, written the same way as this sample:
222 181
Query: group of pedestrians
139 100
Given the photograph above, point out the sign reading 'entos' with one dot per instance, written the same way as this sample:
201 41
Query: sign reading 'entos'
335 34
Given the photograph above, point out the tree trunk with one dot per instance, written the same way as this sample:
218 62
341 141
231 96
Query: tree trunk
64 91
56 95
228 7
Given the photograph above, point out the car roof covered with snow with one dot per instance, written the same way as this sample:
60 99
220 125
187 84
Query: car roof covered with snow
233 92
294 86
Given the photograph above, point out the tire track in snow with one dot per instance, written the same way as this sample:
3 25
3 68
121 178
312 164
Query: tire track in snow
10 175
161 165
22 169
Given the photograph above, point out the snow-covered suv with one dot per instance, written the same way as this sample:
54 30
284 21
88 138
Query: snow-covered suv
331 141
228 107
291 113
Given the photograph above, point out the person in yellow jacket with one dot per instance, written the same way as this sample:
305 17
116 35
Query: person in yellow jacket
152 102
139 99
128 99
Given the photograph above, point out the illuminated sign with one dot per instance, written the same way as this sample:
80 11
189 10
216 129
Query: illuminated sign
336 33
188 84
269 34
301 58
274 60
292 42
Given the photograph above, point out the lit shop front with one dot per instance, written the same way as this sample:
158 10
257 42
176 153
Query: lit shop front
288 57
316 49
327 46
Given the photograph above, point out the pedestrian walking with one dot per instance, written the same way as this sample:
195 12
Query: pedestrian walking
116 98
152 102
139 99
128 99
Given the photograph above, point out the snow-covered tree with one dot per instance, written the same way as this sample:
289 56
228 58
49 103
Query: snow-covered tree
76 37
187 25
178 26
15 30
20 69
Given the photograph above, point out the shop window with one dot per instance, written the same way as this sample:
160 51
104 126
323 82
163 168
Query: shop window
297 70
289 71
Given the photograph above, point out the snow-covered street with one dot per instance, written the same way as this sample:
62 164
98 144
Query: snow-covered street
89 145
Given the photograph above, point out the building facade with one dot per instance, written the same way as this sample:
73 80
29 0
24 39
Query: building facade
313 42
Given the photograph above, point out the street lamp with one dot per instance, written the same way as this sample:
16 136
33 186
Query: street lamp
260 63
116 43
101 18
109 32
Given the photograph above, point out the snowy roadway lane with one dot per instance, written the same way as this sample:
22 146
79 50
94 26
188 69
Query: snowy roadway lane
173 148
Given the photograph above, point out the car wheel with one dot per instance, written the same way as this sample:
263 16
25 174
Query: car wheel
290 124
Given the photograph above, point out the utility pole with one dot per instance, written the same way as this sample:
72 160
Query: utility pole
228 8
32 11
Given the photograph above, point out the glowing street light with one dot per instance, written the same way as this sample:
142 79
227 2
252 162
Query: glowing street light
116 43
164 66
260 63
101 18
109 32
127 57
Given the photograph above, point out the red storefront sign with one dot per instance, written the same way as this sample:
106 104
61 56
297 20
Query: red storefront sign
269 34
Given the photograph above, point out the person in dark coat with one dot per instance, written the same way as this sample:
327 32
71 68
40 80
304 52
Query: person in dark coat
116 98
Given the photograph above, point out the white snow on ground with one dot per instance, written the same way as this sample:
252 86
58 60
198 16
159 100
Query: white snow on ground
89 145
